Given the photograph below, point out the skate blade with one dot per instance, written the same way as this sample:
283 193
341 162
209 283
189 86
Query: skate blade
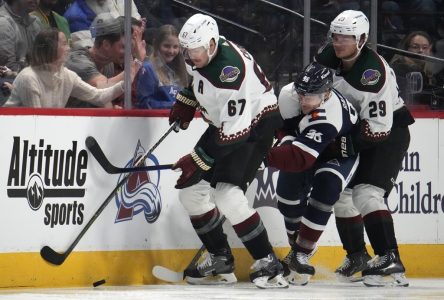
220 279
395 279
349 279
295 278
265 282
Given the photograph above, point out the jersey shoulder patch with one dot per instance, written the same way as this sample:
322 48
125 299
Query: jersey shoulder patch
227 69
368 74
326 56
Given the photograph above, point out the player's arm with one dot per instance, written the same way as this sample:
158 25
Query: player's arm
303 152
184 108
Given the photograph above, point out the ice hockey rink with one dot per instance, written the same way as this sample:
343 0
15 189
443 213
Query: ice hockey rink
419 289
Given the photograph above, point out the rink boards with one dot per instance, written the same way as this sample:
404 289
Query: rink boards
51 186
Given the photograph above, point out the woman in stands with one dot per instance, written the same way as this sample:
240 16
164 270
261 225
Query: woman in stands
165 74
48 83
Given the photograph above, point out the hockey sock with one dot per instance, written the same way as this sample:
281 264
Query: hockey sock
313 224
380 231
351 233
209 229
254 236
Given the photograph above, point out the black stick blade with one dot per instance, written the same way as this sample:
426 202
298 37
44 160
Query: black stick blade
55 258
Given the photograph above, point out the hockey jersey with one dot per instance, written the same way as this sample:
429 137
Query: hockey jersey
233 92
370 86
314 131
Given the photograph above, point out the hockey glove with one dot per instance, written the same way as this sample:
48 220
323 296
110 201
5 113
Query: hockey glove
341 147
183 109
193 166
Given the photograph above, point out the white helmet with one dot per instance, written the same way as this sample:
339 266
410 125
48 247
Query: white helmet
198 31
351 22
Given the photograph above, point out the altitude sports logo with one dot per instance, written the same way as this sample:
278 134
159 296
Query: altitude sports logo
40 171
140 193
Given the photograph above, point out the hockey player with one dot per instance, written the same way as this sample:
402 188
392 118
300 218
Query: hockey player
315 115
238 102
367 81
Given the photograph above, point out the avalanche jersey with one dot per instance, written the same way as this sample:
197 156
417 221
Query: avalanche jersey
335 117
370 86
233 92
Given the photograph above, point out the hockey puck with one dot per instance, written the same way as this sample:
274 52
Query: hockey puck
100 282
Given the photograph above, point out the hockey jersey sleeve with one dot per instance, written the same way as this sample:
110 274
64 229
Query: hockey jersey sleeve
302 153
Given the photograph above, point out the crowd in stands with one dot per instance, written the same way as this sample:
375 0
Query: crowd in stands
94 31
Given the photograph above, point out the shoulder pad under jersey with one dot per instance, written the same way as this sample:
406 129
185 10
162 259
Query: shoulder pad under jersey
368 74
227 69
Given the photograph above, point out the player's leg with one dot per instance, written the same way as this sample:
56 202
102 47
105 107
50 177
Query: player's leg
292 192
217 265
379 170
350 226
329 181
231 177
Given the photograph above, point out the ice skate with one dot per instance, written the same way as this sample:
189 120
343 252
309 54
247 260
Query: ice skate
267 273
212 269
351 266
386 270
292 276
300 268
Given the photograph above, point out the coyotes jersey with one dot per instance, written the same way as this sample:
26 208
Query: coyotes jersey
233 92
314 131
370 86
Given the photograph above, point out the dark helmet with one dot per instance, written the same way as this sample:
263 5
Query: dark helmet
314 79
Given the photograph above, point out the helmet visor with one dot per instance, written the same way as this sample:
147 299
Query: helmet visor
195 52
341 39
309 97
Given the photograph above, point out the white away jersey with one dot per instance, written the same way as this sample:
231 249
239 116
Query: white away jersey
232 91
370 86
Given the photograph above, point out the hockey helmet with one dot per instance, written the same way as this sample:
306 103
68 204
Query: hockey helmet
314 79
351 22
198 31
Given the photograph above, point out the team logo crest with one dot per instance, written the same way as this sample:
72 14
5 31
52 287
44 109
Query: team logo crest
370 77
263 188
316 115
140 193
229 74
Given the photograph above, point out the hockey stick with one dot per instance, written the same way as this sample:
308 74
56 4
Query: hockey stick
101 158
56 258
169 275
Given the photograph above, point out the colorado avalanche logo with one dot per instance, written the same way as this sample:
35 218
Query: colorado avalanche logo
370 77
140 193
229 74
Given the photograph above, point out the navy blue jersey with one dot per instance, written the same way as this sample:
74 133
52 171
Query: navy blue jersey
333 118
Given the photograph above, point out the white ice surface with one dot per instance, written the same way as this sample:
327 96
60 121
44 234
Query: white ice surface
424 289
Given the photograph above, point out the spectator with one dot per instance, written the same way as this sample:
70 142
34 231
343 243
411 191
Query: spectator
81 13
51 19
47 83
95 65
418 42
160 79
17 32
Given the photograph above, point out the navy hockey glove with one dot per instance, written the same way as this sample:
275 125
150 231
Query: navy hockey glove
341 147
183 109
193 166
